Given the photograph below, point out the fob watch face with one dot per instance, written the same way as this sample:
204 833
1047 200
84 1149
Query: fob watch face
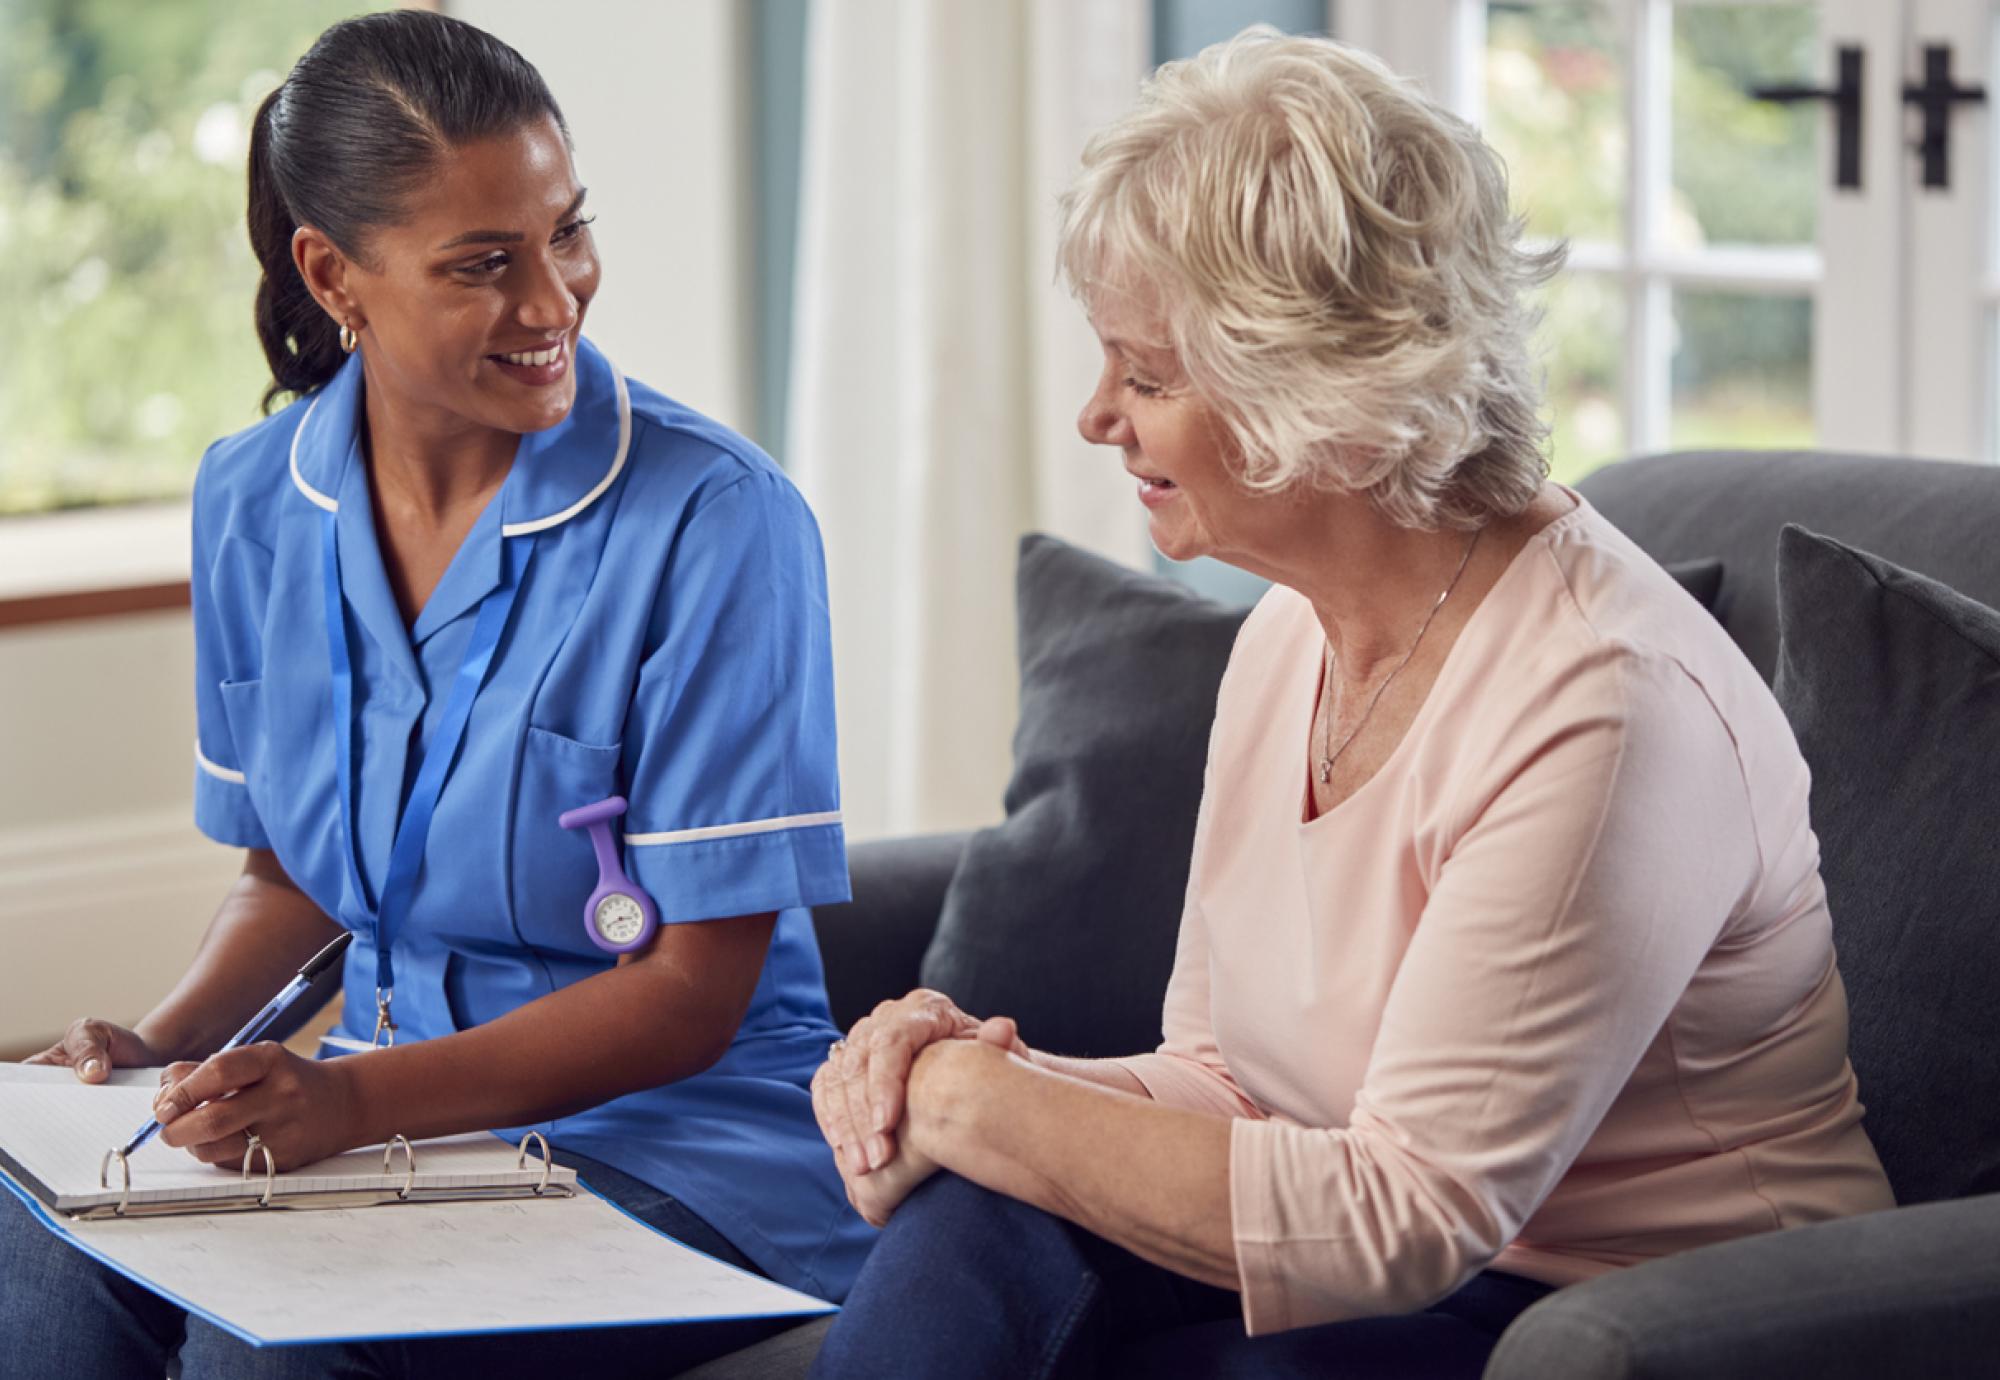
618 918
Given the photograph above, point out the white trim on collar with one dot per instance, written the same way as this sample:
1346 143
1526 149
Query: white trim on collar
318 498
511 529
522 529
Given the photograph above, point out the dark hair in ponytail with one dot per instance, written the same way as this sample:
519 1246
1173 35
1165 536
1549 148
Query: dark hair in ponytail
364 118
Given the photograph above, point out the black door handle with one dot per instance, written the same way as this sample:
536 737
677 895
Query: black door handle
1845 96
1937 96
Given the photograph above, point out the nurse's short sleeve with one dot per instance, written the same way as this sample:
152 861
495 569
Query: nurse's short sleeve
222 649
729 746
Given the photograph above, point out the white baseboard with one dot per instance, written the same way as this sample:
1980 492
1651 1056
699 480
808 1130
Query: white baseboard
100 919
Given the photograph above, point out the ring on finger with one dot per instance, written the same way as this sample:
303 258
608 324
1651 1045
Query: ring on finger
251 1141
836 1049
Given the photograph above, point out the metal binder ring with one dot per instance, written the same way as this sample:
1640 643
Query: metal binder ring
124 1175
257 1147
409 1163
521 1161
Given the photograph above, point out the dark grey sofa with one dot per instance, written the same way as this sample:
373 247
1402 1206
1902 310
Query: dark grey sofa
1915 1291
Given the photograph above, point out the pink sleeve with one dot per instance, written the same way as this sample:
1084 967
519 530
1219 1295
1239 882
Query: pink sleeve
1596 866
1187 1070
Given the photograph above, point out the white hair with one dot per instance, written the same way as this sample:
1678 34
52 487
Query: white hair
1340 273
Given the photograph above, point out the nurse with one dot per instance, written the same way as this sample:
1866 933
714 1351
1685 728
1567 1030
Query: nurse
470 579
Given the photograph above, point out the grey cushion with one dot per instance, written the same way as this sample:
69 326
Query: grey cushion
1064 915
1931 515
1892 683
1702 579
787 1356
873 946
1914 1292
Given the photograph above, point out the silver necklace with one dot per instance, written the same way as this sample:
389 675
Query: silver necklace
1329 754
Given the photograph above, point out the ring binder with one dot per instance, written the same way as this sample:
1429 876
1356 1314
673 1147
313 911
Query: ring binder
270 1169
409 1163
521 1160
50 1142
461 1253
125 1173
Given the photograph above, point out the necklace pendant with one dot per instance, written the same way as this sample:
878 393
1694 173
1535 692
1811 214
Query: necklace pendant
1325 771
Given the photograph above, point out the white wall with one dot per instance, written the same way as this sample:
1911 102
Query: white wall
105 886
658 109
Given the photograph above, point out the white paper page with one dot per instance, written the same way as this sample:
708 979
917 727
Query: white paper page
411 1270
56 1076
58 1131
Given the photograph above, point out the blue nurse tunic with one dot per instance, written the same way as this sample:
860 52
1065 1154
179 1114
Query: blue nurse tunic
669 643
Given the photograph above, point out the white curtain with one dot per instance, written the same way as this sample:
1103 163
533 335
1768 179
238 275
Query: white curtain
937 369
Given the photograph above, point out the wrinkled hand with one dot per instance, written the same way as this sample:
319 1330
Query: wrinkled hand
878 1193
302 1109
858 1094
93 1048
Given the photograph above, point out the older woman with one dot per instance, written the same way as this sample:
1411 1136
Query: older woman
1505 959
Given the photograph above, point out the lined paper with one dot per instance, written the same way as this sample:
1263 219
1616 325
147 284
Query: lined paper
56 1130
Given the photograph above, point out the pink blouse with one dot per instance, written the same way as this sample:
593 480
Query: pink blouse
1553 992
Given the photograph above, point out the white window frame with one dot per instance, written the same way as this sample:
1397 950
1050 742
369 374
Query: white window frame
1954 340
1859 310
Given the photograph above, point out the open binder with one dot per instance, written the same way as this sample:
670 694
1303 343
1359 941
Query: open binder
46 1124
453 1235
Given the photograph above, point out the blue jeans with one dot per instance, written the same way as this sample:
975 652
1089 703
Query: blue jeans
967 1283
64 1315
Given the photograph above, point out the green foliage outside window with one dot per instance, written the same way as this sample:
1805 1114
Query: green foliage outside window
1743 172
125 306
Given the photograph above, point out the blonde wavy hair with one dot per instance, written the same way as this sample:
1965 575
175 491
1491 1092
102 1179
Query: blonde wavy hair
1340 273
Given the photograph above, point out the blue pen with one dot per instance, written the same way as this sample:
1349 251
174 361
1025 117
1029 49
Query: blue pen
261 1022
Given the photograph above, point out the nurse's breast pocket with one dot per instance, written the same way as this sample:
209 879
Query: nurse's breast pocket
554 870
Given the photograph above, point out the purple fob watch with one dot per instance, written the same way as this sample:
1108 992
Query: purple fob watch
619 916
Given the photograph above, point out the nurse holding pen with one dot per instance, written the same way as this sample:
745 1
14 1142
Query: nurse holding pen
468 584
254 1029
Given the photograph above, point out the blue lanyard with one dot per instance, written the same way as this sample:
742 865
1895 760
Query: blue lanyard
406 855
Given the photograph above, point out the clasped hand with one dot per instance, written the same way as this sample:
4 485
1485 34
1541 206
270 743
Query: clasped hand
860 1095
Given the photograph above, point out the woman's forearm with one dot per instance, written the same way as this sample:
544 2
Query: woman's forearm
663 1018
1105 1073
1154 1179
263 932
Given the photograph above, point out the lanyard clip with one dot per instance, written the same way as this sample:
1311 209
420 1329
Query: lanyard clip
385 1021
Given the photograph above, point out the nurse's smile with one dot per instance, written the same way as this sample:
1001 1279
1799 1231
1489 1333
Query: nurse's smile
536 366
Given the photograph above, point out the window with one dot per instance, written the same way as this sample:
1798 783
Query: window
1691 211
126 307
1734 280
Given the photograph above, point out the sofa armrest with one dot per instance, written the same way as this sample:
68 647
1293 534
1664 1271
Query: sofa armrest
1911 1291
873 945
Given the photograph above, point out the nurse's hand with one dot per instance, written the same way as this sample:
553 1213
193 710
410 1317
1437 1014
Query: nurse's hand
858 1093
303 1109
93 1048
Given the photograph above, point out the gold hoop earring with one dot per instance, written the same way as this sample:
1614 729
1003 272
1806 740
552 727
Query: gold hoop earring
348 339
